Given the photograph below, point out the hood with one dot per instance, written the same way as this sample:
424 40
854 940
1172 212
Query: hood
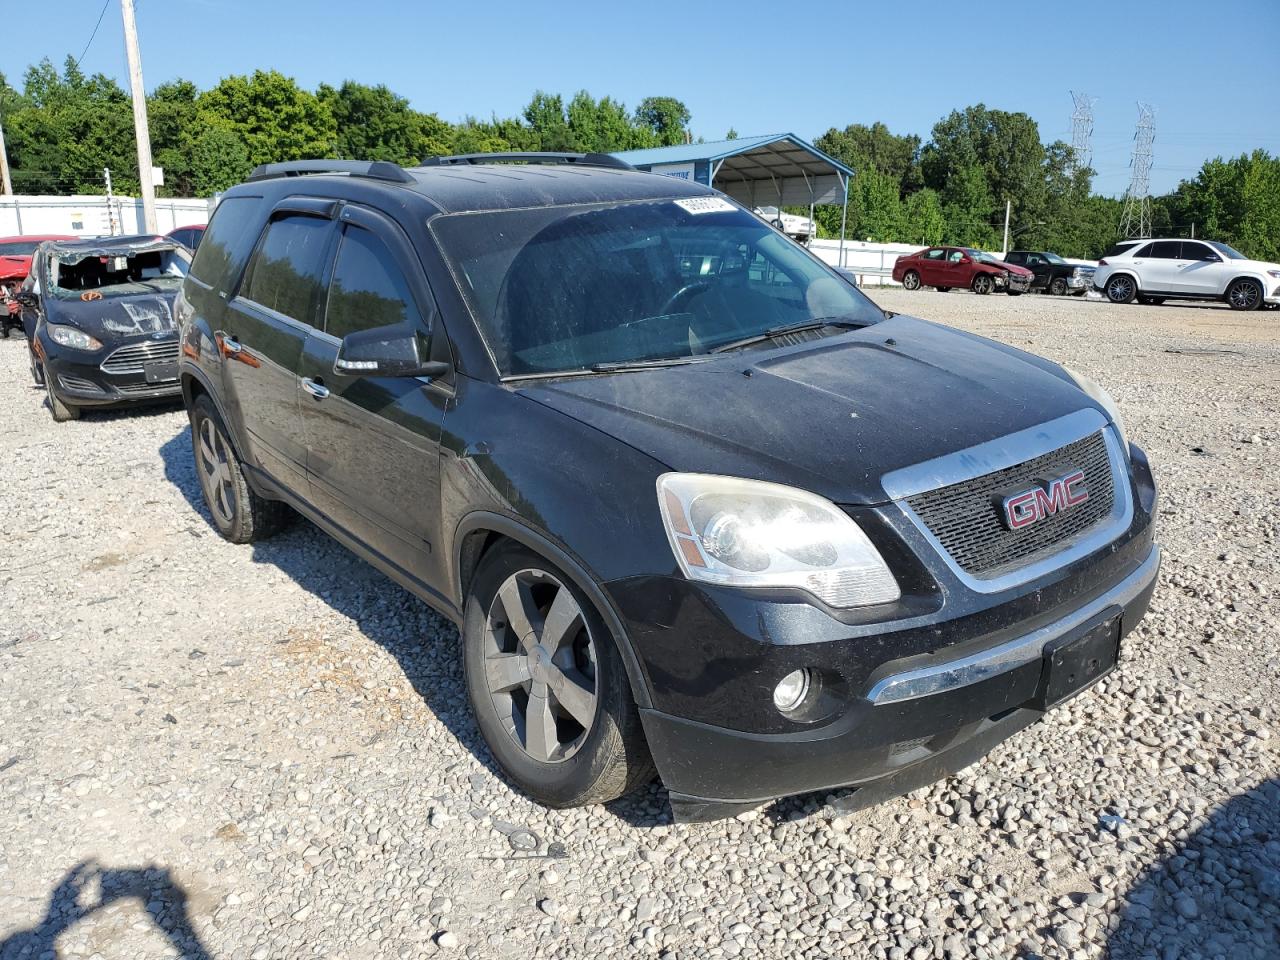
1258 266
832 415
14 268
1016 270
116 318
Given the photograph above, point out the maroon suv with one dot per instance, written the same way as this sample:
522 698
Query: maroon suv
947 267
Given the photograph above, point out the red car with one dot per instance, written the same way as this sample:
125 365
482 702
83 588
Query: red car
947 267
189 236
15 264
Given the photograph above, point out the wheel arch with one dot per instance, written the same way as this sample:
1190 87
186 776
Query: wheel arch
1123 272
481 531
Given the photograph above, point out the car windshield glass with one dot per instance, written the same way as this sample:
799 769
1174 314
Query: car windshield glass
1230 252
1054 258
72 275
573 287
24 248
981 257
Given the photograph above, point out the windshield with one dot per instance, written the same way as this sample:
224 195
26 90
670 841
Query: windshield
1230 252
23 248
1054 258
154 271
980 256
570 288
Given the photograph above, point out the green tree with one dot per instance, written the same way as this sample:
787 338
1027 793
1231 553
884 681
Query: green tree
546 119
274 117
859 146
666 118
599 125
923 221
1236 201
372 123
219 160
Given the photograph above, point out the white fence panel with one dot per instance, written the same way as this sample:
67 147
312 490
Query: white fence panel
94 216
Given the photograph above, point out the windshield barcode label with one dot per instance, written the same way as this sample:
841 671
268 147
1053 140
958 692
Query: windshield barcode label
705 205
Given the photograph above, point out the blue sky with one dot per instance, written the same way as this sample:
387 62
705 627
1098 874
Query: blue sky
1212 69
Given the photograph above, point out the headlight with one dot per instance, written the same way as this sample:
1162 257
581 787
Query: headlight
749 533
71 337
1104 400
1274 273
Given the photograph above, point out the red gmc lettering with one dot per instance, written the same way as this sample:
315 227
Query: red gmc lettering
1031 506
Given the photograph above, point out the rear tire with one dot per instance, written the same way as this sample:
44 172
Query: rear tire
61 410
1244 295
983 284
1121 288
1059 287
515 662
239 514
911 280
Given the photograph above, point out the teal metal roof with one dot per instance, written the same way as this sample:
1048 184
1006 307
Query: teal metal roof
724 149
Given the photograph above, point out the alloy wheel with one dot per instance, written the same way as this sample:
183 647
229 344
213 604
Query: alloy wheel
1120 289
911 281
540 665
982 283
1244 295
216 468
1059 287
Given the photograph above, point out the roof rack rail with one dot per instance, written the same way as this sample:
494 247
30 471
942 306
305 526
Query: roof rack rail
376 169
581 159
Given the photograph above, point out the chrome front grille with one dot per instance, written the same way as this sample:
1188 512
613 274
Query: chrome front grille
966 518
134 356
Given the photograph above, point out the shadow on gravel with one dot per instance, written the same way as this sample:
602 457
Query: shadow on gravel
424 643
1218 896
88 888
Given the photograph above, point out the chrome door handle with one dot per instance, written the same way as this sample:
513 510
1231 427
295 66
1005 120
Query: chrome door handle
230 345
317 390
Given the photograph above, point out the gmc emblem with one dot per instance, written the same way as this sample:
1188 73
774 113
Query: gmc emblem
1026 507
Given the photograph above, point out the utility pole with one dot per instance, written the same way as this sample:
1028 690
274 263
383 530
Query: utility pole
111 211
1135 222
141 131
1008 208
1082 129
6 185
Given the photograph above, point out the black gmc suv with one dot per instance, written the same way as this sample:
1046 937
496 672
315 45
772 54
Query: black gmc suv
694 501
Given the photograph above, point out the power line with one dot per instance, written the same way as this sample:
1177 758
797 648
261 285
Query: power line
103 13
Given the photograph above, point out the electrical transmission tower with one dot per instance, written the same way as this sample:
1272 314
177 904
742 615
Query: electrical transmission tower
1136 219
1082 129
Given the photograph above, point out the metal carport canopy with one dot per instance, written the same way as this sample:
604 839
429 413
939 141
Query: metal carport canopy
779 169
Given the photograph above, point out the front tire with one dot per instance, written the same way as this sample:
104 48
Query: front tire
1244 295
60 409
1121 288
983 284
239 514
37 368
1059 287
547 684
911 280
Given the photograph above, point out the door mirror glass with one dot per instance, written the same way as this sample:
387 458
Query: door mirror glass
392 351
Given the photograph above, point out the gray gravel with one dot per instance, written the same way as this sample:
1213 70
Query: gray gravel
265 752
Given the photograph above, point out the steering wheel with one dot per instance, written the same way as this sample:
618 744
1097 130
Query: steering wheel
682 296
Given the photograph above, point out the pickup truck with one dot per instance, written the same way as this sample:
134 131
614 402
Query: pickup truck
1052 273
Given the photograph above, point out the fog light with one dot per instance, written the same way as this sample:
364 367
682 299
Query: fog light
791 690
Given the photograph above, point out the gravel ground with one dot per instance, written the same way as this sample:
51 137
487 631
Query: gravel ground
265 752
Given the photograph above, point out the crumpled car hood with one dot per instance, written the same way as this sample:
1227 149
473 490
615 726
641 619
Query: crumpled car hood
831 416
116 318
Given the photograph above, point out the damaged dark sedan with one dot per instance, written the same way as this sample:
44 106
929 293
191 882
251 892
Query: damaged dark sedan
99 320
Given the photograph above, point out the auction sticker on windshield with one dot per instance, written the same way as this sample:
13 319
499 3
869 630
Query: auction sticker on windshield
704 205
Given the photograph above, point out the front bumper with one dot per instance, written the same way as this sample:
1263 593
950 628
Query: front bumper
913 725
82 381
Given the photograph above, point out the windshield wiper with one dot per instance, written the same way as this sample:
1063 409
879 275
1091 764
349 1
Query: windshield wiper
610 366
804 325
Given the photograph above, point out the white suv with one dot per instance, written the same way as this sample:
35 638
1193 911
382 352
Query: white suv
802 228
1157 270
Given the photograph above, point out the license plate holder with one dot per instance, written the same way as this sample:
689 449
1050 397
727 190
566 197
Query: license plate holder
1073 663
160 372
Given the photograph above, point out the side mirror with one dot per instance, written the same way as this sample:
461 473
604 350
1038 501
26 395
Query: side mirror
394 351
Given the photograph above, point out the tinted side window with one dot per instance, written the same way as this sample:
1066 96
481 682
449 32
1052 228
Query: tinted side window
935 254
1166 250
284 274
368 290
231 236
1196 251
1020 258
